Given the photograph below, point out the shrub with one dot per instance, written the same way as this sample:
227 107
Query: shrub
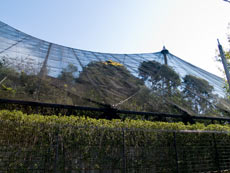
87 143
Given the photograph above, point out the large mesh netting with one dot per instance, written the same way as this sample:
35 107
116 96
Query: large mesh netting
32 69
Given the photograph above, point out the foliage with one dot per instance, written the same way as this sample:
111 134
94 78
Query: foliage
198 92
97 143
68 74
163 80
147 100
227 56
81 121
108 82
110 62
23 86
198 85
226 86
193 95
160 76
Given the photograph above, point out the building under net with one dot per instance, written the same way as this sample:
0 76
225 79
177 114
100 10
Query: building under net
32 69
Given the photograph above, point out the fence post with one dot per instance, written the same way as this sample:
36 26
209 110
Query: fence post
176 154
216 153
124 151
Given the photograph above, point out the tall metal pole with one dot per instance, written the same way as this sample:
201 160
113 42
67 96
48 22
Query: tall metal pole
43 70
224 62
165 52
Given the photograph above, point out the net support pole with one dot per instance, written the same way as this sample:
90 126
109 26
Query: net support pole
43 70
165 52
224 62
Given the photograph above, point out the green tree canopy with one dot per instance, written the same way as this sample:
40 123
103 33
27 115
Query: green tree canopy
108 82
160 76
198 92
67 74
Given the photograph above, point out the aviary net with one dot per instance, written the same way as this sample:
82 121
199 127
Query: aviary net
32 69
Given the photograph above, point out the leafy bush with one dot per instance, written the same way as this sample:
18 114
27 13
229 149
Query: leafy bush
31 141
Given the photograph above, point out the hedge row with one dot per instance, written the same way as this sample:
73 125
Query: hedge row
85 143
81 121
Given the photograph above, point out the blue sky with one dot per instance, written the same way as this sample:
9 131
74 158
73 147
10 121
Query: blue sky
188 28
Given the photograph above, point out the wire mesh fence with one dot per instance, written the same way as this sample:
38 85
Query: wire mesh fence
42 77
32 69
104 150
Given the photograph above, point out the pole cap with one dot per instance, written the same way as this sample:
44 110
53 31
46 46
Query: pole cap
164 51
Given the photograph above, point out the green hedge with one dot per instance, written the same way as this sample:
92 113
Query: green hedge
73 121
79 143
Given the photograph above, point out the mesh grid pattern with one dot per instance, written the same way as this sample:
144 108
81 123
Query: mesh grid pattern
34 56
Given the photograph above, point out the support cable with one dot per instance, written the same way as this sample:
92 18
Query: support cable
88 77
189 91
13 45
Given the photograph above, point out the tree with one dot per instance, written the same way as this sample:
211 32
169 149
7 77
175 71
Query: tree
107 82
226 86
198 92
68 74
160 77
